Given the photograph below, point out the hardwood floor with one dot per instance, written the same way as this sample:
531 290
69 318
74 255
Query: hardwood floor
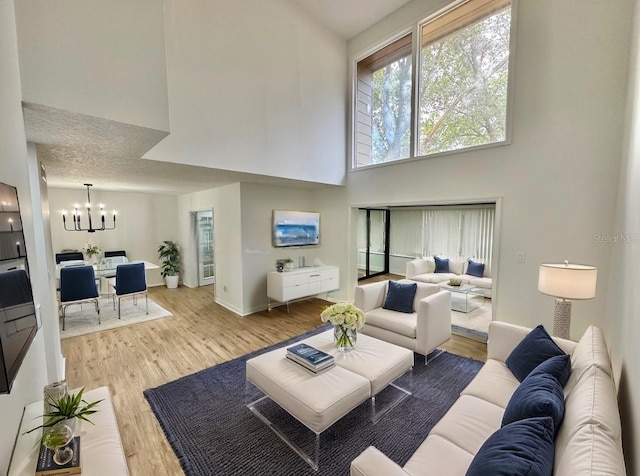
199 335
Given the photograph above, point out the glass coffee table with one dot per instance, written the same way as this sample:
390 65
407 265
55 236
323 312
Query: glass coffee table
464 298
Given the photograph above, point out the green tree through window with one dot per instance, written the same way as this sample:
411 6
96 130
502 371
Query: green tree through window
392 111
462 87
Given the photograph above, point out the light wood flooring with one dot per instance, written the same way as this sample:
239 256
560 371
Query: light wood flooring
199 335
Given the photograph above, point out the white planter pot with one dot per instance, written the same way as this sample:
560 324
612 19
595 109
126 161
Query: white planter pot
171 281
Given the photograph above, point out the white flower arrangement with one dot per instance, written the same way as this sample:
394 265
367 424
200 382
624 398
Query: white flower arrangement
91 250
345 315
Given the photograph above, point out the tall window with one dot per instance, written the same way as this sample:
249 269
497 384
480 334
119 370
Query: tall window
461 87
383 130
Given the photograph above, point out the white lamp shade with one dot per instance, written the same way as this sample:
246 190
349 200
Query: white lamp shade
568 281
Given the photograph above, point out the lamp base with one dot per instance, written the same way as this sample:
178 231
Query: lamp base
562 318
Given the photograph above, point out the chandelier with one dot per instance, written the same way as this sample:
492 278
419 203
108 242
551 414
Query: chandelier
77 213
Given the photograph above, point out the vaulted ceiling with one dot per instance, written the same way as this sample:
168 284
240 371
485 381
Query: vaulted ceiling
75 148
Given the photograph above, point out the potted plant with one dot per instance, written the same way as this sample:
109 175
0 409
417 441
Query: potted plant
92 252
288 264
170 263
67 410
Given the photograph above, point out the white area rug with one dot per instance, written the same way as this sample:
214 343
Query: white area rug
84 320
474 324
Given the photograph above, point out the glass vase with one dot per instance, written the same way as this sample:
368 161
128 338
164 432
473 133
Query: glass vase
344 338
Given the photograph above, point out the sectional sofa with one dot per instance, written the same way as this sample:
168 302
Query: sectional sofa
587 442
424 270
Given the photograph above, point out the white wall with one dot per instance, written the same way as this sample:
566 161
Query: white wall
254 86
144 221
623 306
15 169
258 253
558 176
225 203
244 254
103 59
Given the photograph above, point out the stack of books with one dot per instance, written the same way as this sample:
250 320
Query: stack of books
310 358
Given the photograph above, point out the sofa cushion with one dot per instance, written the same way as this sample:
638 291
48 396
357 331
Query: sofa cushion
475 269
425 265
457 265
523 448
591 350
428 459
592 401
558 367
400 297
442 265
398 323
434 278
469 422
422 291
535 348
590 452
494 383
485 283
539 395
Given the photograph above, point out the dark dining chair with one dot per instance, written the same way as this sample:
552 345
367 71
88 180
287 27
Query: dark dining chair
111 254
77 286
69 256
130 281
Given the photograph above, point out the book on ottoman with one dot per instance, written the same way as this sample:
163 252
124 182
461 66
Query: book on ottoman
310 357
47 467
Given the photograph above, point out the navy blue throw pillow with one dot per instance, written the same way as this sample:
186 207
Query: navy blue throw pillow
475 269
400 297
558 367
539 395
442 265
535 348
517 449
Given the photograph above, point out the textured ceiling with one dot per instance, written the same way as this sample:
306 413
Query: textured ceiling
76 149
349 17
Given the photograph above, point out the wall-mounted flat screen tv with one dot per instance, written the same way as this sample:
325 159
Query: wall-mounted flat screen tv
293 228
18 323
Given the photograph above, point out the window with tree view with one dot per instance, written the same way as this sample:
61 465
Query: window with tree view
461 87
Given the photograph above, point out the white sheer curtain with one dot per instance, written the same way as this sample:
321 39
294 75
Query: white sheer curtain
377 235
477 233
442 232
407 232
448 231
362 229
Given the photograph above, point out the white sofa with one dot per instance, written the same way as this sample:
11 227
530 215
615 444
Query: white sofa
589 442
422 331
423 270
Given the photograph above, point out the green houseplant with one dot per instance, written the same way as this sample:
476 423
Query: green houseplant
170 263
92 252
66 409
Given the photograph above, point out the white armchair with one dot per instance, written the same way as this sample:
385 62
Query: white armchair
428 327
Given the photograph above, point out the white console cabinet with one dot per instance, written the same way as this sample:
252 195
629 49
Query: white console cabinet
302 282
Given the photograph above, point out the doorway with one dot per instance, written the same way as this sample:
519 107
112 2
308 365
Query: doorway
373 242
205 247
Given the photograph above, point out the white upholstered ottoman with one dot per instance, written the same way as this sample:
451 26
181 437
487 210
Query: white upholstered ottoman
318 401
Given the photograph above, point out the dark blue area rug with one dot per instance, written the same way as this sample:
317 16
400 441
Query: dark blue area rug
212 432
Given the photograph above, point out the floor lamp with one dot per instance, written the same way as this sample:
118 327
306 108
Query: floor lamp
566 281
